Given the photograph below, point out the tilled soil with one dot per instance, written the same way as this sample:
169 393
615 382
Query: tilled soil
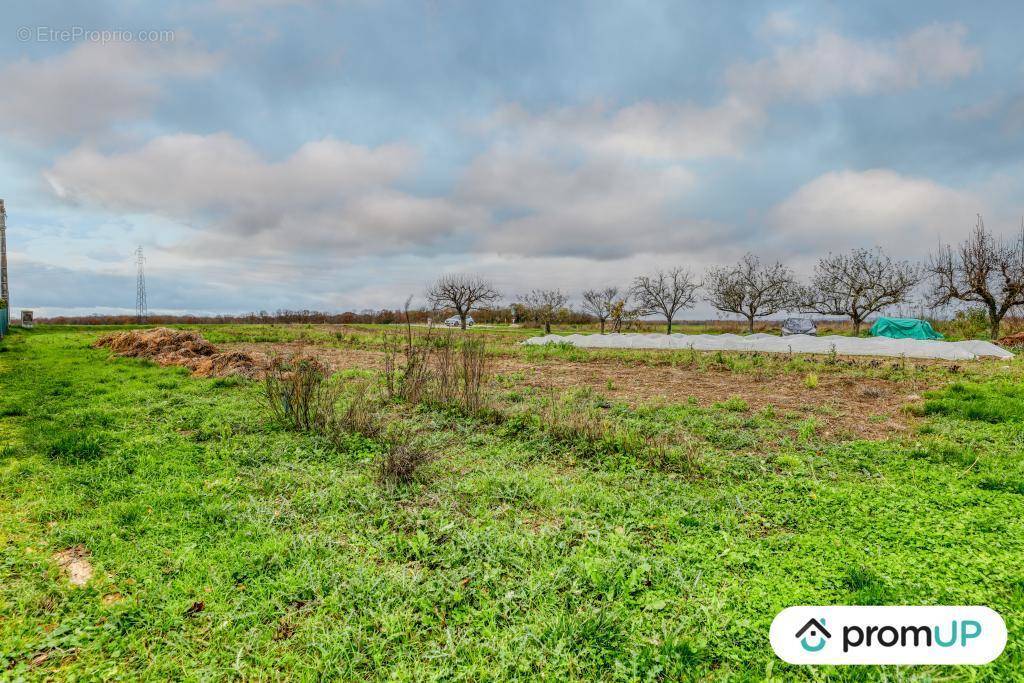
843 405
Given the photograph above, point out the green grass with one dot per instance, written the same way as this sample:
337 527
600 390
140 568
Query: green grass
241 550
995 402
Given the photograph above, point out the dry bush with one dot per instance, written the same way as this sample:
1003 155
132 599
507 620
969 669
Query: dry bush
300 394
440 370
406 366
445 373
402 459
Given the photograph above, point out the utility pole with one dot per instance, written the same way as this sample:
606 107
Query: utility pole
4 293
141 310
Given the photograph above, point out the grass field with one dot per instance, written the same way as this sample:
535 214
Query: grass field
223 545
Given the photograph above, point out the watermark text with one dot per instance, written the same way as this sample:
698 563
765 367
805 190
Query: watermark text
81 34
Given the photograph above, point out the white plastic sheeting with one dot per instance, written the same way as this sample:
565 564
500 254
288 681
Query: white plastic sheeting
798 343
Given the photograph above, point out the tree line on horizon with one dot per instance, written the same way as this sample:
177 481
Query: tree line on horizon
983 271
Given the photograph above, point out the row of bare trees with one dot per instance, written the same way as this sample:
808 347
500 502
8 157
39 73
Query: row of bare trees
983 270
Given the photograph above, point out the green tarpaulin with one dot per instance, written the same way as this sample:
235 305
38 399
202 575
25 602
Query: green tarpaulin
904 328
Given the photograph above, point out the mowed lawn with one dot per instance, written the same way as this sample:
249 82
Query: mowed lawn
224 546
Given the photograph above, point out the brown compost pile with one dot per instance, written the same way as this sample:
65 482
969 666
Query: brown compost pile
181 347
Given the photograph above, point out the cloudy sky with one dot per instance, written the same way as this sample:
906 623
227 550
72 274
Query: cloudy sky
340 154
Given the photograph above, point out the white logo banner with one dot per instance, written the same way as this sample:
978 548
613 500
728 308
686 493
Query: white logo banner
888 635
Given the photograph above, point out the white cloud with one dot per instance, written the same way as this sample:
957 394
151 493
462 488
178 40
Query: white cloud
596 207
829 65
597 181
572 185
645 130
222 173
329 193
833 65
92 86
846 209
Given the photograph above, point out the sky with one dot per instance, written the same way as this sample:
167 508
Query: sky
340 155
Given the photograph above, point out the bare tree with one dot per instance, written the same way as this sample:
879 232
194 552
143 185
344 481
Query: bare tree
983 269
858 284
751 289
665 292
462 293
599 303
545 306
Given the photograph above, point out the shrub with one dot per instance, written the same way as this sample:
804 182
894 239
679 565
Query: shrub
473 374
299 393
972 323
811 381
439 370
406 366
403 457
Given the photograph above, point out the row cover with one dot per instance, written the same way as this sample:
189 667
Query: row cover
768 343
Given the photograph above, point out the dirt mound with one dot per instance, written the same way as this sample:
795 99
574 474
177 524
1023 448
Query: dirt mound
179 347
1013 340
230 363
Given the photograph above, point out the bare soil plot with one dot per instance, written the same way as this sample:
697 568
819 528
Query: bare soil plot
843 405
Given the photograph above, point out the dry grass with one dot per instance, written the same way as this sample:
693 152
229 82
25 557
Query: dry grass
403 458
361 415
442 370
177 347
300 394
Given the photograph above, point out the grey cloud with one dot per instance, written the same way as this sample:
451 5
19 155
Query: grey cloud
327 194
92 86
644 130
905 214
834 65
599 208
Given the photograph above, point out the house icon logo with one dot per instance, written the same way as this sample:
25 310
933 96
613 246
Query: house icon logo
817 634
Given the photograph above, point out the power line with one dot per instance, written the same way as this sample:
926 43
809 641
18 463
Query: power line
141 309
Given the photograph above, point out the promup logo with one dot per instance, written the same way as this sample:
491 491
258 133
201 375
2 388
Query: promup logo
817 631
888 635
